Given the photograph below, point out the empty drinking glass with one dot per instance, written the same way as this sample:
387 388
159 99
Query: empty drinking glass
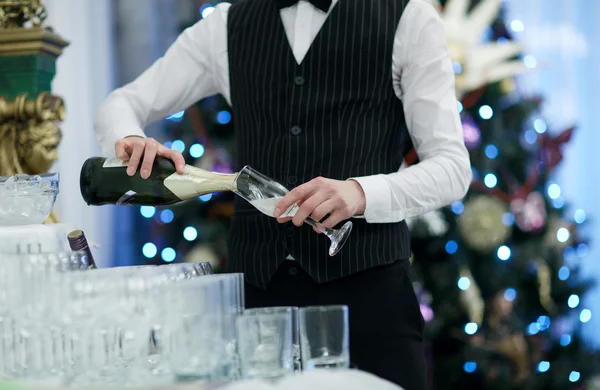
293 312
324 337
265 345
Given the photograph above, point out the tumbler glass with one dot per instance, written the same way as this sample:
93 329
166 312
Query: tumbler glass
324 337
265 345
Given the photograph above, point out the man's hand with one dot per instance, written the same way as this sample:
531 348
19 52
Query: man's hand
131 150
320 197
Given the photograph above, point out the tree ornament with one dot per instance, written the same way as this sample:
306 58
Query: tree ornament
482 225
530 213
481 63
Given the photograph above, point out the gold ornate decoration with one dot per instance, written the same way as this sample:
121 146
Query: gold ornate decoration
20 13
30 135
481 224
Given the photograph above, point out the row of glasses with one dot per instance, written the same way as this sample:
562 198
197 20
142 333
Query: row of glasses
276 341
86 328
30 344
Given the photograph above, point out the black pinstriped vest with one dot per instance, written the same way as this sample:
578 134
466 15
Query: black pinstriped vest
335 115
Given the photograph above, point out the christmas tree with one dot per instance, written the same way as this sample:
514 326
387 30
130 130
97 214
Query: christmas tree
195 230
497 274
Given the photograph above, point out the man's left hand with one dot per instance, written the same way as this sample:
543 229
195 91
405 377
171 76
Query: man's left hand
320 197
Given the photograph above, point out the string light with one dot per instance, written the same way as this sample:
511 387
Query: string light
168 255
458 207
582 250
149 250
147 211
451 247
585 315
530 61
471 328
460 106
206 197
558 202
573 301
486 112
504 253
517 25
491 151
470 367
490 180
196 150
543 366
565 340
508 219
533 328
457 67
464 283
167 216
540 126
176 117
178 145
562 234
530 137
574 376
223 117
579 216
206 10
553 191
543 323
564 272
190 233
510 294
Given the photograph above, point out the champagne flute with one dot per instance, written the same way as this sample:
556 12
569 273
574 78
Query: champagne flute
265 193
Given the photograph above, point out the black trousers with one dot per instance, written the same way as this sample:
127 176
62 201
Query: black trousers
386 325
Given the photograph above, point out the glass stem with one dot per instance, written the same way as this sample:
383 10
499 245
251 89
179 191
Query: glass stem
320 227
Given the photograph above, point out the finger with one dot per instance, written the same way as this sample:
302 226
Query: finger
179 161
323 210
284 219
308 207
335 218
149 156
136 156
297 195
121 150
174 156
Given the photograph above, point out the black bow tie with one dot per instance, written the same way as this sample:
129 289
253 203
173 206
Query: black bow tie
323 5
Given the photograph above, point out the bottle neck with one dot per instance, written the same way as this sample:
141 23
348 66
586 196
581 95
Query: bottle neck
196 182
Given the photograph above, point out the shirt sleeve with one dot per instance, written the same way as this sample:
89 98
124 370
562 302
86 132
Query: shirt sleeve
424 77
184 75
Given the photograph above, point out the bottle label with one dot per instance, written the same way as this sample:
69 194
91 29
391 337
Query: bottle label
114 163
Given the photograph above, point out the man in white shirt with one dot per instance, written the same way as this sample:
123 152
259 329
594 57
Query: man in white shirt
327 96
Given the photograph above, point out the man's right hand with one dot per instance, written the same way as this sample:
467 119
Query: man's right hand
132 149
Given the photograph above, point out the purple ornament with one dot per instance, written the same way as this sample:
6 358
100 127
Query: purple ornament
471 132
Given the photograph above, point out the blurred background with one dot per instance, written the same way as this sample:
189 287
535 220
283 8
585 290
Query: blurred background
506 277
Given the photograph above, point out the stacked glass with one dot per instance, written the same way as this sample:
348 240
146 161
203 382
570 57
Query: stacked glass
66 324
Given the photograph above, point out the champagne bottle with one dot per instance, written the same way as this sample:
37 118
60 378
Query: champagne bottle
105 181
78 242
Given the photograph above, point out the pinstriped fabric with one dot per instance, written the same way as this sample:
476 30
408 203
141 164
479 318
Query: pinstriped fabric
334 115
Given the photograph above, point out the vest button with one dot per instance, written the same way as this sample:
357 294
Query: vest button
292 180
299 81
290 231
296 130
293 271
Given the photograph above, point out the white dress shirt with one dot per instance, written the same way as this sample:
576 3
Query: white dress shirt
196 66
